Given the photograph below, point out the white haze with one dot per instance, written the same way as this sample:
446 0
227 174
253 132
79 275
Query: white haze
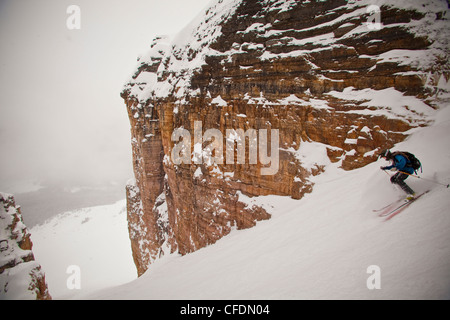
62 120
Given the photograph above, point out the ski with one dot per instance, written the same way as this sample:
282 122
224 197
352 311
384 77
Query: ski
402 207
392 207
382 211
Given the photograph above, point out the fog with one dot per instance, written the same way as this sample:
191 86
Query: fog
64 130
62 121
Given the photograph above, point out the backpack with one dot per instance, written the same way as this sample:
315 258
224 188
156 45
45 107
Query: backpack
412 161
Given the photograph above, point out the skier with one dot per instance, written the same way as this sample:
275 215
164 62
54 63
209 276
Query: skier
400 163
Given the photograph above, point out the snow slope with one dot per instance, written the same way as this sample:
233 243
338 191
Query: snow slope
321 246
95 240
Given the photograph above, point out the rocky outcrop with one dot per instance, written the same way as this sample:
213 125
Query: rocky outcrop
326 81
21 277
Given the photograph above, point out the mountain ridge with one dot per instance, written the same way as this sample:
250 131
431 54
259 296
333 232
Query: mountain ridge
314 71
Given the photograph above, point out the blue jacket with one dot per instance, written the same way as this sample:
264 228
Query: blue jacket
401 164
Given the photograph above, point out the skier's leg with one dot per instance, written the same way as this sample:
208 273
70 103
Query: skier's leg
399 178
394 178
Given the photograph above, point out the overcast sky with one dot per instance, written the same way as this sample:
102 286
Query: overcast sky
61 115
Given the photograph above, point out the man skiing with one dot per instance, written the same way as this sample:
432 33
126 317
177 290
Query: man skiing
403 166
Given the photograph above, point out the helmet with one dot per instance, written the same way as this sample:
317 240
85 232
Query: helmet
385 154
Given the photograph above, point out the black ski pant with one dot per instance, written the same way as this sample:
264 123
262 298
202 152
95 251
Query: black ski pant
399 178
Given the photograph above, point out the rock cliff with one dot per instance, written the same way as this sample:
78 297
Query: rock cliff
297 84
21 277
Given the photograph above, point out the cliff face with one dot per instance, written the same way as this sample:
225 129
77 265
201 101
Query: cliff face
300 83
21 277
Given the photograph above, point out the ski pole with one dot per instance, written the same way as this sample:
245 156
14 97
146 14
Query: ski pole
413 175
386 173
